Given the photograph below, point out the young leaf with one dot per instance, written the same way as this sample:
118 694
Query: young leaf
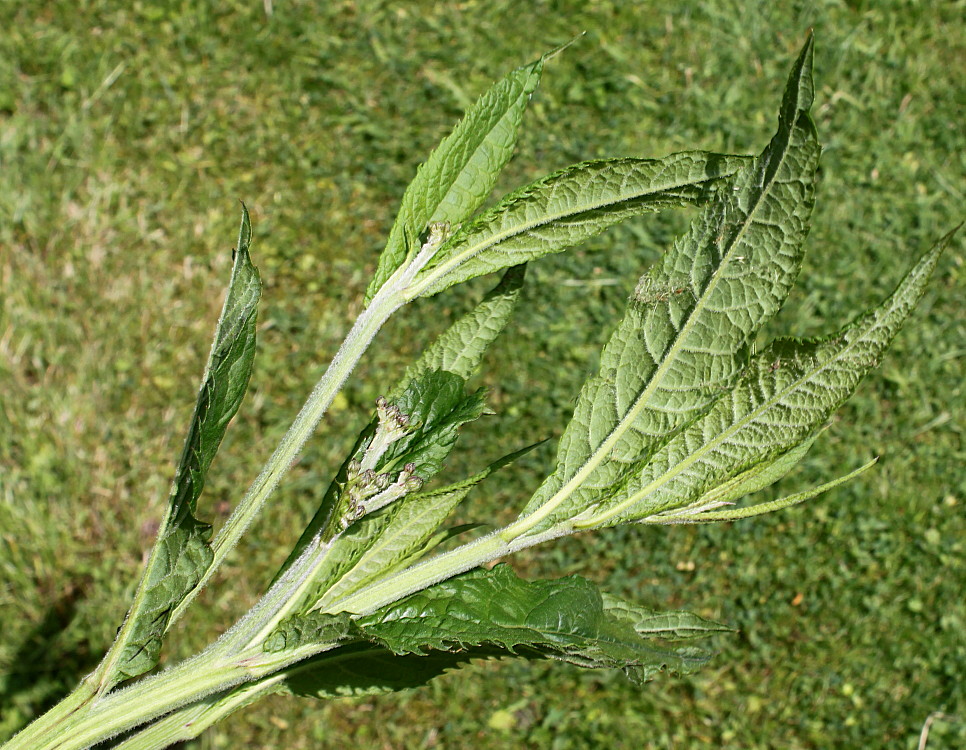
458 351
715 514
182 554
788 391
460 173
567 207
461 347
689 323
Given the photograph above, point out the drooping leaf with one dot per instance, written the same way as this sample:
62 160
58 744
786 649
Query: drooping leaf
787 393
487 613
684 339
182 554
460 348
563 619
567 207
460 173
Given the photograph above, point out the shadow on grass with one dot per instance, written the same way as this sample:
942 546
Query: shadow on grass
42 671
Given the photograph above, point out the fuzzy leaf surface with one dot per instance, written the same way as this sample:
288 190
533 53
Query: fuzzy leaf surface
787 393
567 207
460 348
684 339
460 173
717 514
182 552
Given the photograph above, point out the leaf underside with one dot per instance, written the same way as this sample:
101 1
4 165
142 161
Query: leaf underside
567 207
690 323
788 391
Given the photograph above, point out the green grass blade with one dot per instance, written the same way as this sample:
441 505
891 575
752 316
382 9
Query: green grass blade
788 392
182 554
684 338
460 173
567 207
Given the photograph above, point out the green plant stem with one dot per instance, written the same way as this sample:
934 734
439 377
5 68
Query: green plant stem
30 736
187 723
416 578
186 683
357 341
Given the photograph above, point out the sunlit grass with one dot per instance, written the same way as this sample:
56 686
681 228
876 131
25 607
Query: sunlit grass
126 138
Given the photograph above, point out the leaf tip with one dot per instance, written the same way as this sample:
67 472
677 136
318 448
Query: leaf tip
800 91
558 50
244 231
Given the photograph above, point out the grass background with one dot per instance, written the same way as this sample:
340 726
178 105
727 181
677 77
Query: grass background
128 131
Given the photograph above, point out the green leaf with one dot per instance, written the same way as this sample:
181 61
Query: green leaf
401 535
758 477
563 619
182 554
788 391
486 613
437 407
460 173
461 347
567 207
684 339
716 515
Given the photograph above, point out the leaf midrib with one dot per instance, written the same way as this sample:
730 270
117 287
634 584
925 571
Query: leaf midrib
597 457
437 272
701 452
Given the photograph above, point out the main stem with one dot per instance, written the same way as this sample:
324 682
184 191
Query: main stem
367 325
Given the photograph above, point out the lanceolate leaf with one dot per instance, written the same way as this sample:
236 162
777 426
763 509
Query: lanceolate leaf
788 392
684 339
564 619
567 207
461 347
718 514
182 554
461 172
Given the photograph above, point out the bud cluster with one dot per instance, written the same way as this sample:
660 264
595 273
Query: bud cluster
368 491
